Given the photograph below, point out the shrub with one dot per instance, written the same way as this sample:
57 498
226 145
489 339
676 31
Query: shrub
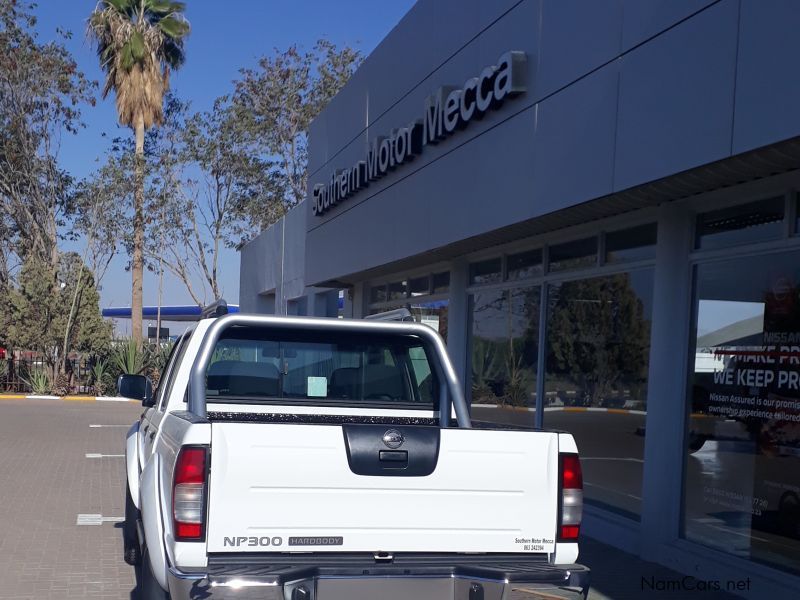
38 380
108 384
155 377
61 386
159 355
100 376
129 357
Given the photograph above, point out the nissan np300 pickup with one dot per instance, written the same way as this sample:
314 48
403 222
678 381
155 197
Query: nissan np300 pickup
323 459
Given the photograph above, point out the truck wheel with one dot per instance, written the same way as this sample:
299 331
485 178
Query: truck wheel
149 588
130 536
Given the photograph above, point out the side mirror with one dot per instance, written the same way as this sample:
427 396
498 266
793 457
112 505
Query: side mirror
137 387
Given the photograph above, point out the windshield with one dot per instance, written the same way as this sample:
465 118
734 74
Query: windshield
321 367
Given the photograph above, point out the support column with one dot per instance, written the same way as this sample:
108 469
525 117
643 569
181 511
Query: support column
326 304
665 427
458 322
354 303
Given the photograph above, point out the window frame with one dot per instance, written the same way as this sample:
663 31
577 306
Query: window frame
171 370
789 242
404 366
789 239
600 268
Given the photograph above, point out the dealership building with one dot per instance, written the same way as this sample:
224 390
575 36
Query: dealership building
595 205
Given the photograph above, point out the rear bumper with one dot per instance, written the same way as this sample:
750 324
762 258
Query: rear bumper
420 581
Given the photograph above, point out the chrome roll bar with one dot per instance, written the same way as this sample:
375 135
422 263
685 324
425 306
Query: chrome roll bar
450 391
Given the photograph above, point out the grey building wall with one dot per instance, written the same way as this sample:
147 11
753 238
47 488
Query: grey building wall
620 93
259 272
272 272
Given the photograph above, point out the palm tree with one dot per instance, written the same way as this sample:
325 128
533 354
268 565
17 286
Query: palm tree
138 42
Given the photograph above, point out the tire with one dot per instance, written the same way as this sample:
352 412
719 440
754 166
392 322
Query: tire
149 588
132 554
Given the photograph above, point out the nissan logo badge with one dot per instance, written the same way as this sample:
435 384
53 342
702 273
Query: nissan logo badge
393 439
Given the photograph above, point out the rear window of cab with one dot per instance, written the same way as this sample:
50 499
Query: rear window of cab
322 368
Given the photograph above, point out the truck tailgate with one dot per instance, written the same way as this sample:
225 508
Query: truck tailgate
277 487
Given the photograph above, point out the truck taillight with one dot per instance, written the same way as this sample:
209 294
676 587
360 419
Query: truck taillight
189 494
571 481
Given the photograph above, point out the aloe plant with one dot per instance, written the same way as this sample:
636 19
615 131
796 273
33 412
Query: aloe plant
129 357
38 380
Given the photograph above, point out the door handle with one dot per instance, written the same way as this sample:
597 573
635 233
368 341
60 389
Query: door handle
152 434
393 456
146 427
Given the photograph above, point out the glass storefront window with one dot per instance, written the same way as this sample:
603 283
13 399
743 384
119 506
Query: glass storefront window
742 476
504 349
397 290
432 313
637 243
743 224
441 282
419 286
573 255
487 271
598 349
377 293
525 264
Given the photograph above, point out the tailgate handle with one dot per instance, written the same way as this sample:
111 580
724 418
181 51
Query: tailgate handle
393 456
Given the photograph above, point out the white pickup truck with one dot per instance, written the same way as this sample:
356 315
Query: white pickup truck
327 459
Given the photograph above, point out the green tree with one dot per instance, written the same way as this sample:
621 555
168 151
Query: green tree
598 334
274 105
207 174
44 311
139 42
98 216
41 92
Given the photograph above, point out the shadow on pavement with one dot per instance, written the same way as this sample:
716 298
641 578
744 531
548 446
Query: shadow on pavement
135 591
617 575
137 569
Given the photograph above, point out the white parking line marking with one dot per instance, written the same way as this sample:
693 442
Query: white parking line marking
95 455
94 426
111 399
92 519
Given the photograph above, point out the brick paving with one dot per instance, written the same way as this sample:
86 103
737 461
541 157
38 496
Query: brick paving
45 482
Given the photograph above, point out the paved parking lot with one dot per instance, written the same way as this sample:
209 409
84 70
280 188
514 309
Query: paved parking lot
46 481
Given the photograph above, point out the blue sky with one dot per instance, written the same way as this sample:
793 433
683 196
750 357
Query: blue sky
220 44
